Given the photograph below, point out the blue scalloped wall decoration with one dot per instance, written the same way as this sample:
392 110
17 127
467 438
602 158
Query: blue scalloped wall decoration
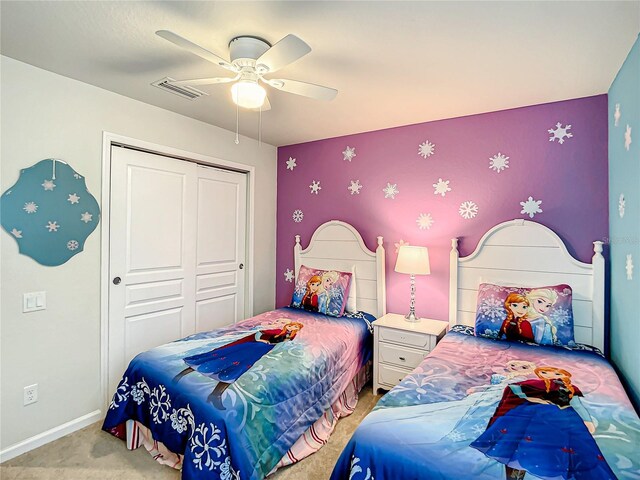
49 212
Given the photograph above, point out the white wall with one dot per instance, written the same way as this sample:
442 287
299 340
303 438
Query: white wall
45 115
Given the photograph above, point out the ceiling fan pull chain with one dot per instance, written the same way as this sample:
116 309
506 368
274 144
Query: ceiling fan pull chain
260 128
237 141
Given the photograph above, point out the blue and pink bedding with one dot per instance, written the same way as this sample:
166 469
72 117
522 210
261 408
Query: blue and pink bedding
484 409
233 401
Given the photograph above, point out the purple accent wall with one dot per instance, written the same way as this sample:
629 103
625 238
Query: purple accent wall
569 178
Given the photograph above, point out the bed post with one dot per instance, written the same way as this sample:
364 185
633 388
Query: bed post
453 283
296 257
382 293
598 297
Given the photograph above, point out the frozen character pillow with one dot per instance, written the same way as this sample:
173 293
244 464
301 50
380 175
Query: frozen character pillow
540 315
324 291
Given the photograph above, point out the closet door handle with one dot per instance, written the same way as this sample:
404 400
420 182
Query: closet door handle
116 281
241 266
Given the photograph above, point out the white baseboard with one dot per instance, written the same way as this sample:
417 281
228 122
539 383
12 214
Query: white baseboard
49 436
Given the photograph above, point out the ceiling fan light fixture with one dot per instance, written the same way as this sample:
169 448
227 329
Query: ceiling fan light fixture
248 94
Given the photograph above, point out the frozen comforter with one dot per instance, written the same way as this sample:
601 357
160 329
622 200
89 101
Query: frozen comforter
486 409
233 401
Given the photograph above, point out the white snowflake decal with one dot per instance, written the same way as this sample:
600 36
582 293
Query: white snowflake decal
616 115
72 245
349 153
297 216
622 203
73 198
86 217
492 308
560 133
531 207
288 275
30 207
424 221
16 233
48 185
291 163
426 149
77 176
629 267
468 210
315 186
355 187
498 162
390 191
52 226
400 244
441 188
627 138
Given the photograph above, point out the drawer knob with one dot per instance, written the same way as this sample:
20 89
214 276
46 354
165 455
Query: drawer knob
403 359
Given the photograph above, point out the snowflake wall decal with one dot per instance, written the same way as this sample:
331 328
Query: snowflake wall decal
627 138
30 207
86 217
355 187
426 149
52 226
390 191
349 153
560 133
531 207
621 205
291 163
73 198
72 244
315 186
629 267
441 188
400 244
424 221
616 115
16 233
468 210
288 275
48 185
297 216
498 162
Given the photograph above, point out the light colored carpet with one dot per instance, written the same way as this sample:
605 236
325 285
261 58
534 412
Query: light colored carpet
91 454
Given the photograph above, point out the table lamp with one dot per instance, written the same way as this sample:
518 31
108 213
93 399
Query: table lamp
413 261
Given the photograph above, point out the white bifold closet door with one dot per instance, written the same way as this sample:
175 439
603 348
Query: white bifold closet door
177 252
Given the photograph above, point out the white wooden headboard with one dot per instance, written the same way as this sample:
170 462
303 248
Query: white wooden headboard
336 245
530 254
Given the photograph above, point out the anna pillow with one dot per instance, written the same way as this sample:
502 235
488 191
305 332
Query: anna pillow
324 291
541 315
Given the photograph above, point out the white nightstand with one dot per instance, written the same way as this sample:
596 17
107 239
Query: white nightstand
399 347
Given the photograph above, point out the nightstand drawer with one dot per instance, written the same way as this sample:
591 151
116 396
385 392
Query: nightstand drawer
412 339
400 356
391 376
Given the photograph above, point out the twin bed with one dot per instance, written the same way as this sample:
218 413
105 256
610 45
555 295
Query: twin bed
453 417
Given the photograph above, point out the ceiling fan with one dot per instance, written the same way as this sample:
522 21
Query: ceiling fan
251 58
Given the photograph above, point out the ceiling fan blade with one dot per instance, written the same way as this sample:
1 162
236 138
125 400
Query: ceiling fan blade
195 49
305 89
286 51
205 81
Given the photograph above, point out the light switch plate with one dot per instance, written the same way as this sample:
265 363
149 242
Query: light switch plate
34 301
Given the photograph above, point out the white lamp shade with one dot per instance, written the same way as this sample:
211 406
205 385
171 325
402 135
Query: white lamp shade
413 260
248 94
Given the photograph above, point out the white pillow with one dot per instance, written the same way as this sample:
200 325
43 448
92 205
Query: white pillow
352 306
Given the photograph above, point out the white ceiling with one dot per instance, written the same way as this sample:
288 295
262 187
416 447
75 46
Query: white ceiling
394 63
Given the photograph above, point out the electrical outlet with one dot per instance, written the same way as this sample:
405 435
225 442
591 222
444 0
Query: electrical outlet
31 394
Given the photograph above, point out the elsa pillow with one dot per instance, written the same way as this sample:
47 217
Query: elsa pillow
540 315
324 291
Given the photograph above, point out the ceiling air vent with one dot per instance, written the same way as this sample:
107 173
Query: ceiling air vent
189 93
